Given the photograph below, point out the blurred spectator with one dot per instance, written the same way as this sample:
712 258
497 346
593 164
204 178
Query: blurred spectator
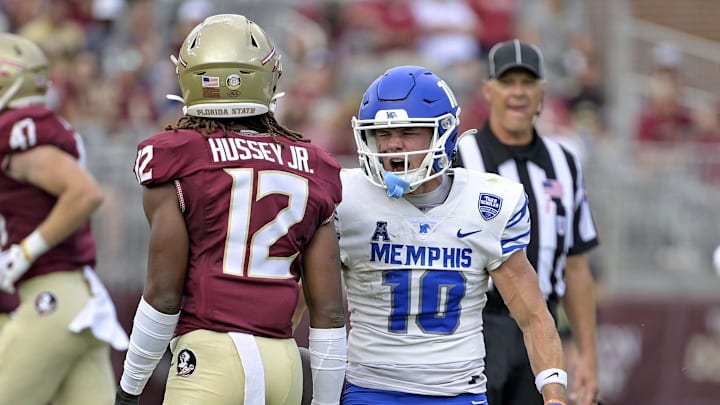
474 104
706 119
379 26
667 58
663 116
556 121
497 18
88 100
4 20
447 31
475 110
590 92
312 108
80 11
136 65
61 38
303 41
19 12
189 14
558 28
105 16
707 124
54 31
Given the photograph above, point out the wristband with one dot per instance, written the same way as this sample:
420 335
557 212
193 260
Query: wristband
33 246
554 402
550 376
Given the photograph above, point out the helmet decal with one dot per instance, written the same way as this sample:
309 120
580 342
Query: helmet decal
233 82
268 57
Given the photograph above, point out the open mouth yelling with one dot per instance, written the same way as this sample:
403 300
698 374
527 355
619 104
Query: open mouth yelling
397 164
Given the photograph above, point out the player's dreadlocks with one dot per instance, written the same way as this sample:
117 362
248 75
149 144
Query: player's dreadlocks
264 123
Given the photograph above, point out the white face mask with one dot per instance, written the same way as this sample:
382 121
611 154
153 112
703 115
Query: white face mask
435 162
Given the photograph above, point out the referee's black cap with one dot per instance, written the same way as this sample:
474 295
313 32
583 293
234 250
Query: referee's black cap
515 54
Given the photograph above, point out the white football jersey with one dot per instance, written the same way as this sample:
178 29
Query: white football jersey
416 281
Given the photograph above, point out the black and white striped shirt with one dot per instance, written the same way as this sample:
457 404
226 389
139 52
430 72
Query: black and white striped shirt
562 223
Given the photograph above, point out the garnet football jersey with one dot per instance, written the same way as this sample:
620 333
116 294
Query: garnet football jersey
251 204
23 206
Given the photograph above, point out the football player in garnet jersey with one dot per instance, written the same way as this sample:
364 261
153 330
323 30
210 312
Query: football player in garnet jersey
419 243
240 210
56 346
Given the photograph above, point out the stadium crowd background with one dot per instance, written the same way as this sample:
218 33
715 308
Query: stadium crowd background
633 88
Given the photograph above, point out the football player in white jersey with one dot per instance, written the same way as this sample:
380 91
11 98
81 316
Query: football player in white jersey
420 242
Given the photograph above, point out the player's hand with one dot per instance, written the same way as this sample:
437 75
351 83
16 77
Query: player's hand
123 398
13 264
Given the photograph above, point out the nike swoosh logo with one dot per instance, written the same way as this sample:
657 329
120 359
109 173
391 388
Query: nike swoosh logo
552 375
461 234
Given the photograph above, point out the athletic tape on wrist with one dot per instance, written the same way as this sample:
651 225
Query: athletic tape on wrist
151 333
550 376
328 360
33 246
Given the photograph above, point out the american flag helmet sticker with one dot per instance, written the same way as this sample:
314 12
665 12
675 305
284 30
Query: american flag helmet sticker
210 81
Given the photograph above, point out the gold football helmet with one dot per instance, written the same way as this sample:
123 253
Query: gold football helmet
23 72
227 67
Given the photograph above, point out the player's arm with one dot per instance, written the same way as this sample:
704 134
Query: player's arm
322 286
159 308
517 282
78 196
579 304
169 248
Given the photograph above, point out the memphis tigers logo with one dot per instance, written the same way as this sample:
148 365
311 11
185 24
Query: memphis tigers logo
489 205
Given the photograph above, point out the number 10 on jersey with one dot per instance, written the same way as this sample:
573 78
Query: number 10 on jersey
440 292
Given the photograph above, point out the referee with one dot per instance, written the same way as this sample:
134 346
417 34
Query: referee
562 230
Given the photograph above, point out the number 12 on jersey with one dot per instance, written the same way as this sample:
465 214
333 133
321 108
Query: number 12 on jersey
439 300
242 242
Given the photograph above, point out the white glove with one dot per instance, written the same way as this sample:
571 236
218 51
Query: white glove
13 264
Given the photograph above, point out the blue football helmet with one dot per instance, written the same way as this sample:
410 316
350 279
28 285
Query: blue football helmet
407 96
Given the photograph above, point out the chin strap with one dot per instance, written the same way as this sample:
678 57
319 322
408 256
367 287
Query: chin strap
396 186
